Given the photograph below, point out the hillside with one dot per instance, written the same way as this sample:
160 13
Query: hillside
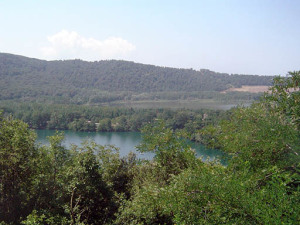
105 81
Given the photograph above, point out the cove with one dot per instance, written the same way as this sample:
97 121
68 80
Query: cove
126 141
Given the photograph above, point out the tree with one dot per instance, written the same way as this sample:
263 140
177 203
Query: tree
171 152
17 169
172 157
104 125
91 199
284 97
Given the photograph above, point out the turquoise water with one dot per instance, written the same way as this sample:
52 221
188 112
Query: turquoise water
126 141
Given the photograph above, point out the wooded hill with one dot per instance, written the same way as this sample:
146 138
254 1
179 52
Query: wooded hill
108 80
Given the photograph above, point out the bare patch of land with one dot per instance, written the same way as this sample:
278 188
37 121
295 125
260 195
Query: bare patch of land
248 88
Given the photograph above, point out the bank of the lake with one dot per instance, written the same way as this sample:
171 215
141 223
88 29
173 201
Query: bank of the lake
126 141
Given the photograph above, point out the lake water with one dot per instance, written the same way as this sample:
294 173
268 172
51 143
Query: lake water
126 141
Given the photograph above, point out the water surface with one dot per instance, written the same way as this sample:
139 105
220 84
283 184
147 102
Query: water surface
126 141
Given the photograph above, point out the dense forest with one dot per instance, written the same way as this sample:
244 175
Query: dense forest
91 184
108 119
80 82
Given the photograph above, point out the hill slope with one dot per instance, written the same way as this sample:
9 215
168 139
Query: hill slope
22 77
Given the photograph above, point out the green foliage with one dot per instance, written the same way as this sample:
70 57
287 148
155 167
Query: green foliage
285 97
53 185
91 184
41 219
17 168
172 156
79 82
255 137
211 194
265 134
104 125
107 119
259 186
90 197
117 172
171 153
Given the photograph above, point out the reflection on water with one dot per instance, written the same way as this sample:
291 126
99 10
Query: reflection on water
126 141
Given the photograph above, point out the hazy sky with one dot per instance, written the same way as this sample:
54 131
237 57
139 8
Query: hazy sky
247 37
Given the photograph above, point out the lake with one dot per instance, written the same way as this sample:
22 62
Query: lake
126 141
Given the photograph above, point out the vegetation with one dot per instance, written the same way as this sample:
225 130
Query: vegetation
93 185
107 119
260 185
79 82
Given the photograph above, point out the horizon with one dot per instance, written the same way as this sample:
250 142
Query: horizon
233 37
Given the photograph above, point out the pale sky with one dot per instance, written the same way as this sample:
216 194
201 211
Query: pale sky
231 36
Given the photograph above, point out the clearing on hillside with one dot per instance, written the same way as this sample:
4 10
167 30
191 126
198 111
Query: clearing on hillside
248 88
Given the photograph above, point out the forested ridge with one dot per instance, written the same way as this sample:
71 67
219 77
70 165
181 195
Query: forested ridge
79 81
92 184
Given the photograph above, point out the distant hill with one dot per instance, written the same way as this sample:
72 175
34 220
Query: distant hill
27 78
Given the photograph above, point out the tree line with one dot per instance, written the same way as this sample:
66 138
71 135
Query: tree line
107 119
